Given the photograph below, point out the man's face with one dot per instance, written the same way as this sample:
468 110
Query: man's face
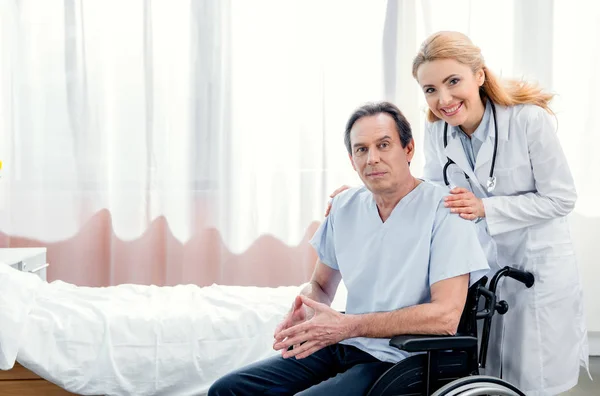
378 155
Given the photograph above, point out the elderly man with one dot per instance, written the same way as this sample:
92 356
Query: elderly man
405 260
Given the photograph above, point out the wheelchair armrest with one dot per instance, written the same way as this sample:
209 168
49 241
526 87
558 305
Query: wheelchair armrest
424 343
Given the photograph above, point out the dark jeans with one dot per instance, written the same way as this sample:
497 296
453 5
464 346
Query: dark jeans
335 370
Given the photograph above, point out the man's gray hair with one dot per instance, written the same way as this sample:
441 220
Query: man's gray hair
371 109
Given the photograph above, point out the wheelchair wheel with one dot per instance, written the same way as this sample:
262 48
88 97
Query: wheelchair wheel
478 385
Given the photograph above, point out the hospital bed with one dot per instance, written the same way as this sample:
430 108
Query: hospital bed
133 339
148 340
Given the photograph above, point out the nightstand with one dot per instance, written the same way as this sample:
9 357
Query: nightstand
26 259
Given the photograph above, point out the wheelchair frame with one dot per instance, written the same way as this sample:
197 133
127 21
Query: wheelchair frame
443 354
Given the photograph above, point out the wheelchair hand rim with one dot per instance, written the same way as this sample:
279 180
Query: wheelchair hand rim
471 382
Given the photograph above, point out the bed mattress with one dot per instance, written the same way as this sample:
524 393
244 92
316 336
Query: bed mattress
134 339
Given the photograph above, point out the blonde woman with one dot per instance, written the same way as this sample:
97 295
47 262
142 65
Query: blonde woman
494 144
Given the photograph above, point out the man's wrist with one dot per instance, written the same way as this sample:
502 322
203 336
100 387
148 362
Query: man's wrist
352 326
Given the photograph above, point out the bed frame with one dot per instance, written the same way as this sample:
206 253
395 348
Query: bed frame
20 381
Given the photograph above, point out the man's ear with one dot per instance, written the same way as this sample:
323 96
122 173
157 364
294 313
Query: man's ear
409 150
351 161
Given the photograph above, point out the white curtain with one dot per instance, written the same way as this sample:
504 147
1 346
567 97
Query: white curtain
160 141
146 107
299 68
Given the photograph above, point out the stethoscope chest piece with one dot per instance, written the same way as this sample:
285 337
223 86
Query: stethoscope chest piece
491 184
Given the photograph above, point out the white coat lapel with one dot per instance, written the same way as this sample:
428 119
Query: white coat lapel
455 151
483 162
485 154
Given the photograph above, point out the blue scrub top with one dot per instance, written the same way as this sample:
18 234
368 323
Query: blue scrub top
391 265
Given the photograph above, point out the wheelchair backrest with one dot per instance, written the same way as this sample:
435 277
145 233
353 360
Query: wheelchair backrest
468 319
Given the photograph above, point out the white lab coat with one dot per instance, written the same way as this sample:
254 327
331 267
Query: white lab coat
542 340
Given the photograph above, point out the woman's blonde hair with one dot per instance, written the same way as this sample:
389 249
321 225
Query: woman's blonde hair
457 46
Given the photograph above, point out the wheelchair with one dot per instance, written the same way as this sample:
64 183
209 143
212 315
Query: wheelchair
449 365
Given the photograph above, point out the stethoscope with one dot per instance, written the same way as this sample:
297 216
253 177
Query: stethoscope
491 182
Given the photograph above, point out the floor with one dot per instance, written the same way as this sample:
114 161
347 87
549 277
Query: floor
587 387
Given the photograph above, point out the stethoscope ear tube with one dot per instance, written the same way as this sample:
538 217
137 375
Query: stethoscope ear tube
448 163
491 184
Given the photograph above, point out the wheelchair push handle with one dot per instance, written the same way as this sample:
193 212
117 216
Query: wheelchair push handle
492 305
524 277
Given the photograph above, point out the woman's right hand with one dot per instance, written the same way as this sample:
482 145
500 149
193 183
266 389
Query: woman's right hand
333 194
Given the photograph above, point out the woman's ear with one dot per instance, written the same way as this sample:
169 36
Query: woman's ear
480 77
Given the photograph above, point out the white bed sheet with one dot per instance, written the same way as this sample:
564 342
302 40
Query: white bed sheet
133 339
